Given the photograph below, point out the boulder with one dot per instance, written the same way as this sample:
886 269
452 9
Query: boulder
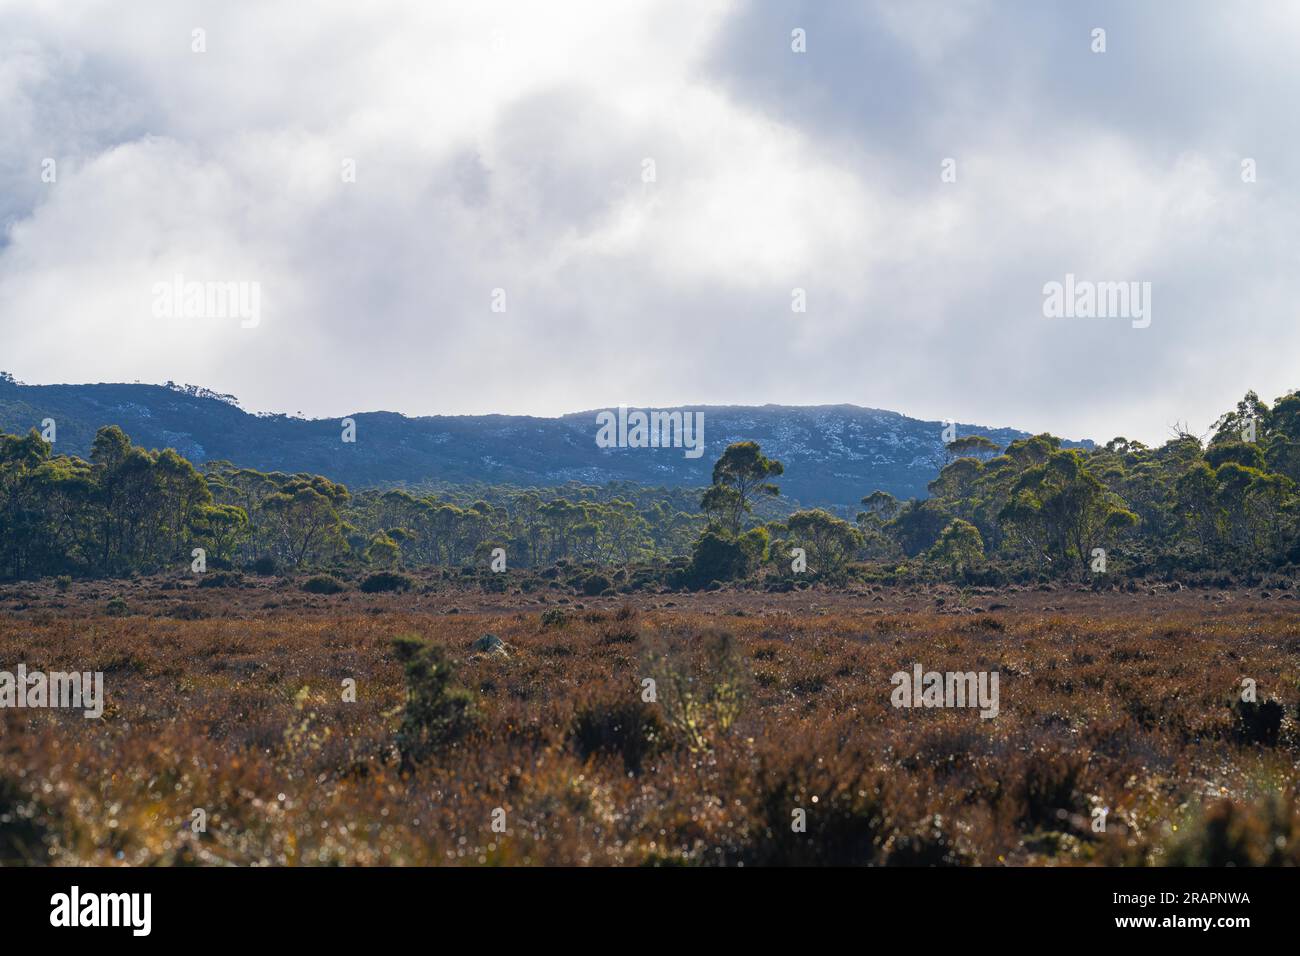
490 644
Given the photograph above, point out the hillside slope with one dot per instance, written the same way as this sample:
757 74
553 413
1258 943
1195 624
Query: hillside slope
833 454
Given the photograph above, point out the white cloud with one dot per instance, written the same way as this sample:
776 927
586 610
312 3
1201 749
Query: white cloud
501 145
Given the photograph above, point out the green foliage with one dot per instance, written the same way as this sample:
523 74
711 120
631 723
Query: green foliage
437 713
1235 452
738 476
972 446
1063 512
881 505
701 690
126 509
755 543
716 557
303 517
459 527
1231 504
725 552
959 548
383 551
918 525
829 541
880 508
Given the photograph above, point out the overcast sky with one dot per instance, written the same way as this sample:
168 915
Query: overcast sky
504 146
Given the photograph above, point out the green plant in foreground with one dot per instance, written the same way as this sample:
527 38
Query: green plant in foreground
701 700
437 713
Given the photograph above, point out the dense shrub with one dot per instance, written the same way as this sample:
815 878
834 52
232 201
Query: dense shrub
436 713
715 558
846 826
322 584
265 566
1227 834
1045 788
627 728
554 617
382 581
221 579
1258 723
594 584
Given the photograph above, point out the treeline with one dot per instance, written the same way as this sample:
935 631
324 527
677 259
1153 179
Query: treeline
129 509
620 523
1030 508
125 509
1230 503
1227 504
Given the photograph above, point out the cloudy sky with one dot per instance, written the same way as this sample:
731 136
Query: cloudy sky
505 146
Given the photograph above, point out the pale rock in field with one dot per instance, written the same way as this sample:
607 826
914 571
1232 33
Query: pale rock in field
490 644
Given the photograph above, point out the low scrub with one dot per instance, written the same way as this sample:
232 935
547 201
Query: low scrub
385 581
322 584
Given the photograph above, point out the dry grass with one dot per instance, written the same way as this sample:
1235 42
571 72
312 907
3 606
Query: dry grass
1103 705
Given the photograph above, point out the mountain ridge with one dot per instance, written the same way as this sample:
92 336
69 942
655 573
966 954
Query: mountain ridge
833 454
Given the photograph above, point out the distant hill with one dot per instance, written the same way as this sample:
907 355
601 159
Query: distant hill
833 454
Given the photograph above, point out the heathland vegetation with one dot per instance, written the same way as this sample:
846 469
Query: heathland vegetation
272 727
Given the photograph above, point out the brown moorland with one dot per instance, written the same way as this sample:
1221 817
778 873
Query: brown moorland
231 701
